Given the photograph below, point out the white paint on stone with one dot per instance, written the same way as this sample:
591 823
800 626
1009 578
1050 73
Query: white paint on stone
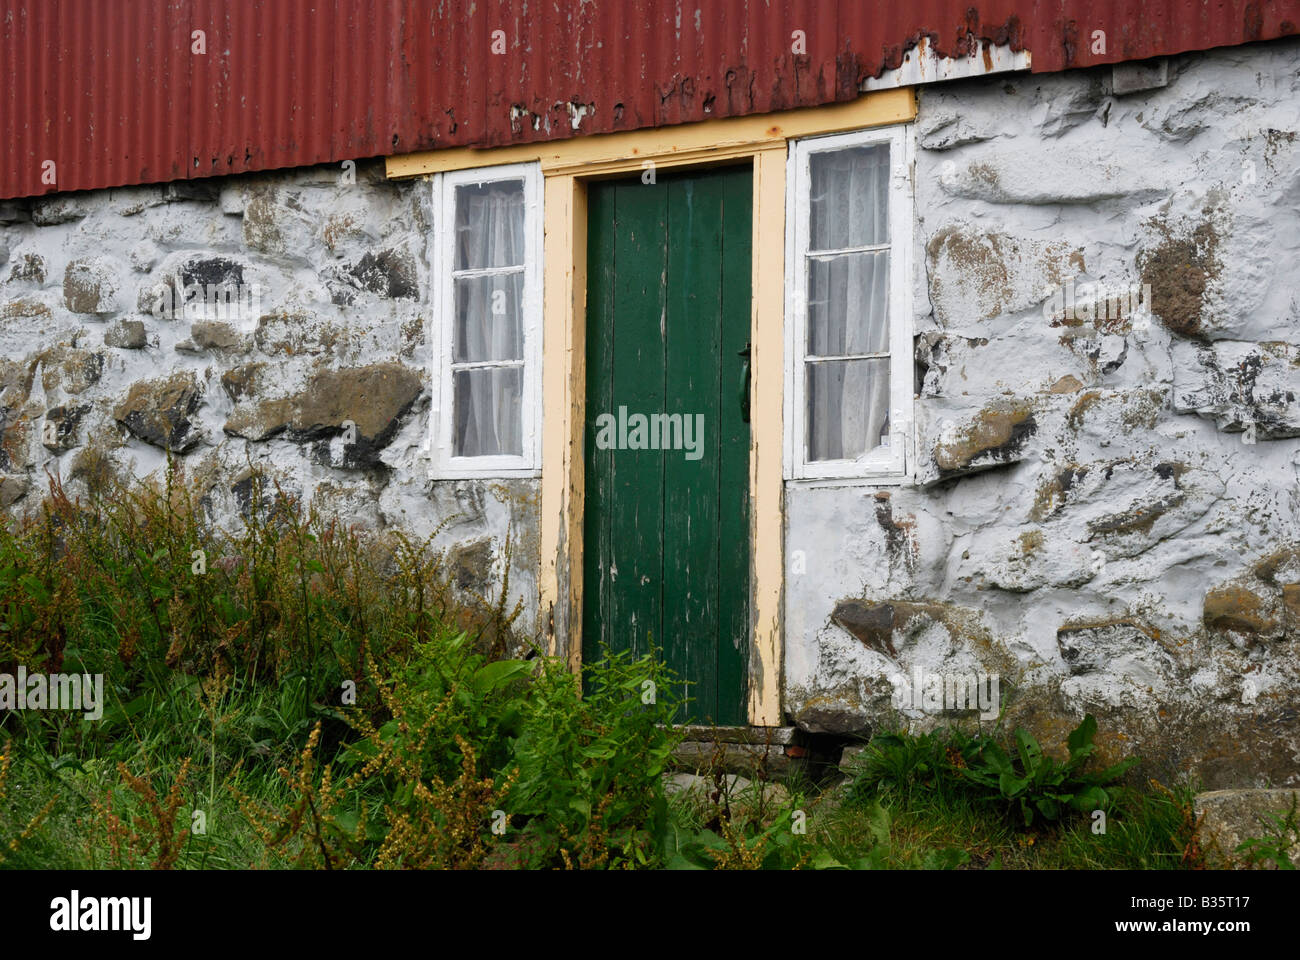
1080 560
301 236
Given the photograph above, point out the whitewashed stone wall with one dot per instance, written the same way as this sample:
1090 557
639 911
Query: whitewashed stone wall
1108 511
93 380
1089 521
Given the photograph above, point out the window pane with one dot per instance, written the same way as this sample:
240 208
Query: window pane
849 197
489 318
848 304
487 412
848 408
490 225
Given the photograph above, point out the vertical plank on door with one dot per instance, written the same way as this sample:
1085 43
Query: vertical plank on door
637 383
601 264
691 486
734 575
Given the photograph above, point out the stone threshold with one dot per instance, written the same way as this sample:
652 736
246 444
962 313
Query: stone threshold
743 734
768 753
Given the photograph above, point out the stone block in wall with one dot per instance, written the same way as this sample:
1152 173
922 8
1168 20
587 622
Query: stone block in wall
14 211
92 285
938 353
268 489
175 226
1280 567
1241 386
1244 614
131 201
243 381
259 413
59 432
16 380
1259 605
1112 659
17 433
1103 417
471 565
30 323
202 287
28 268
1062 102
13 489
1056 174
160 412
828 715
93 464
297 331
1127 506
389 274
1180 263
69 369
1219 266
871 623
260 420
60 208
898 629
373 399
346 227
25 308
1139 76
870 644
1291 609
216 336
976 275
1034 558
967 442
144 256
1192 108
276 222
126 335
943 131
357 501
1228 818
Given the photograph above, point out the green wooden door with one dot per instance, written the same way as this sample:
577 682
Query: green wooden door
666 533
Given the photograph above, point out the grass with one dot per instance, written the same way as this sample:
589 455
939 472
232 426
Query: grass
1148 839
298 694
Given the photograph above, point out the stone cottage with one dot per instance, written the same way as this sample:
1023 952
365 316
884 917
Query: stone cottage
932 370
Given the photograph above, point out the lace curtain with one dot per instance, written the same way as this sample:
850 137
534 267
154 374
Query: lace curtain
488 329
848 303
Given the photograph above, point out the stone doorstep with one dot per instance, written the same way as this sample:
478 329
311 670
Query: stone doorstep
778 752
759 735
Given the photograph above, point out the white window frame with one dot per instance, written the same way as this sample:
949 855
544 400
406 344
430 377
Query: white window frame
443 464
881 465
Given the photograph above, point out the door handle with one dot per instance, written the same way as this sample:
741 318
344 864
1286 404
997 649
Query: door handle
744 385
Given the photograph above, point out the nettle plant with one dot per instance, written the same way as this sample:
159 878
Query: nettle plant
590 764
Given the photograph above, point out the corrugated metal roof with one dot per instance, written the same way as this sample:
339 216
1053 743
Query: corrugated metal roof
114 93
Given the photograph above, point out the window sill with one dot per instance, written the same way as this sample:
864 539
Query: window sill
486 474
880 480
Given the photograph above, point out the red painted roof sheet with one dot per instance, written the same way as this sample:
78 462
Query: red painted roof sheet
114 93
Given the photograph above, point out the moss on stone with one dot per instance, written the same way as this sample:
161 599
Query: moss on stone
995 434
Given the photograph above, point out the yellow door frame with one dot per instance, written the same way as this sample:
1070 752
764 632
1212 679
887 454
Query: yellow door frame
567 166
